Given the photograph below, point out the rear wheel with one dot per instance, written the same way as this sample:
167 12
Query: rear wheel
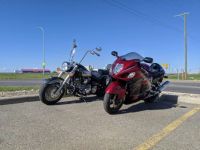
101 88
100 91
48 93
111 103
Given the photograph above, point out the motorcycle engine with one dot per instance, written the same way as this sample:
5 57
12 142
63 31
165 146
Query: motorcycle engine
83 85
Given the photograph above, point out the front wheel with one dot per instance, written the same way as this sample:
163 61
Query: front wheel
48 94
111 103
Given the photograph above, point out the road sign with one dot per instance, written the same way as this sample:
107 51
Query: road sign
166 66
43 64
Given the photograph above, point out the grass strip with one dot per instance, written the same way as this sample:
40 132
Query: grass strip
18 88
190 76
9 76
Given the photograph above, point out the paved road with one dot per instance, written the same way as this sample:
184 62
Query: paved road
184 87
28 82
29 124
178 86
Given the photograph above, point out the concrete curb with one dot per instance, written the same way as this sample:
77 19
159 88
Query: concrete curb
19 99
18 93
182 97
185 97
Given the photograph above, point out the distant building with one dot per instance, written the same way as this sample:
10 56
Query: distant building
34 71
17 71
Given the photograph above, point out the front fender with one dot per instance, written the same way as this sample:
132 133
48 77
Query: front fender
53 80
116 88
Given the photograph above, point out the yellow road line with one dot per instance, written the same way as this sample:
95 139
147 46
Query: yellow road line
166 131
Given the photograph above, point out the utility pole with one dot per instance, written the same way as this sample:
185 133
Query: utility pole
43 50
184 15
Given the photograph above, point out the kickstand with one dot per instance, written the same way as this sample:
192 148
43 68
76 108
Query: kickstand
83 98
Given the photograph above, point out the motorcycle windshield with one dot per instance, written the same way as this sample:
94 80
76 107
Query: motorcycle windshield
132 56
72 53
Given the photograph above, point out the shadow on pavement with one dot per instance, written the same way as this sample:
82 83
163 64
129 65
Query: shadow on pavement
17 100
165 102
77 100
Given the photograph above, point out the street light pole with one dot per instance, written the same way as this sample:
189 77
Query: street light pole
43 49
185 40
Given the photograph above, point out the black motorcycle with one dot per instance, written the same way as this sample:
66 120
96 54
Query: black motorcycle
74 79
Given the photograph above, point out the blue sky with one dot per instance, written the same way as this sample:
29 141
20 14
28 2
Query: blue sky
145 26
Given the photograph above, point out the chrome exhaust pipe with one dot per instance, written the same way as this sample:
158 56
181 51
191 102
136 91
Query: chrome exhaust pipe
163 86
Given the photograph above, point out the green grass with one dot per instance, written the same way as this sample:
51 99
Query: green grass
18 88
21 76
18 76
190 76
12 76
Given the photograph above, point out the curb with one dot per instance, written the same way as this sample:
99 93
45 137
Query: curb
185 97
181 97
19 99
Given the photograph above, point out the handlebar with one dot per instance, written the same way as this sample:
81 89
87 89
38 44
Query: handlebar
91 52
96 53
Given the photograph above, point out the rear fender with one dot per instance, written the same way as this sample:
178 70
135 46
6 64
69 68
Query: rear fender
116 88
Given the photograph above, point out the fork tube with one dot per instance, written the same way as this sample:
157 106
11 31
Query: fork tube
66 79
60 74
60 88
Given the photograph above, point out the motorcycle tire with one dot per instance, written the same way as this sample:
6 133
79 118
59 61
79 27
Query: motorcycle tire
43 94
101 89
107 103
100 92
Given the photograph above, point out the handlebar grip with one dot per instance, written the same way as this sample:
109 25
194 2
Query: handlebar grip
97 53
98 49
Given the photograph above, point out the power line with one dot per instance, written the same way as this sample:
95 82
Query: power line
141 15
146 17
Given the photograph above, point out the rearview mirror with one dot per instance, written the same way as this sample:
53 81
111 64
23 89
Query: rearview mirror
114 53
73 50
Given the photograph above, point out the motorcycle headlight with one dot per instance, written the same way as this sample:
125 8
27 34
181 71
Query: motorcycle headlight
65 66
118 68
131 75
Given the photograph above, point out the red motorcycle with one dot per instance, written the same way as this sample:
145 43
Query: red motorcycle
133 78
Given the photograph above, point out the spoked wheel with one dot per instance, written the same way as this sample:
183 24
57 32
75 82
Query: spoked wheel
111 103
48 93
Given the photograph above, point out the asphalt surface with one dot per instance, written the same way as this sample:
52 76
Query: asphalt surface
72 124
184 87
32 82
175 86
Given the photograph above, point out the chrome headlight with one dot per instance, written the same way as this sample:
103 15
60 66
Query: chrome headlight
65 66
118 68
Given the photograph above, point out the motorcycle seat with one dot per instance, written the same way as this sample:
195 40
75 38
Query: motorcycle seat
103 72
95 74
98 74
